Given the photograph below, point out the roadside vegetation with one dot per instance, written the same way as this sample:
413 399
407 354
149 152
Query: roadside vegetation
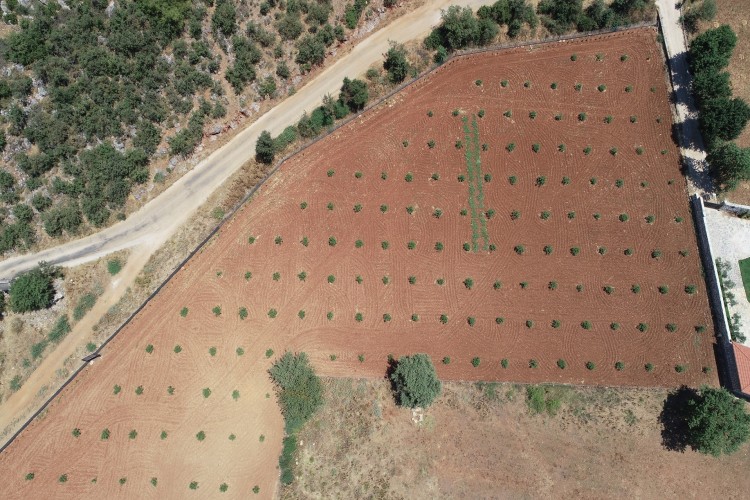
722 116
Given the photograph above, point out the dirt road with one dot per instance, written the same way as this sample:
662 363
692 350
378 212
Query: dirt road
690 139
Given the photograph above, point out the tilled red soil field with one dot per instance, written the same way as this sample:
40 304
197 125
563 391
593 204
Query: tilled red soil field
521 209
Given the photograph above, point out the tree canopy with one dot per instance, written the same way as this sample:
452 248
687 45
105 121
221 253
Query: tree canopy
717 421
730 164
712 49
33 290
396 64
299 390
264 148
415 381
354 94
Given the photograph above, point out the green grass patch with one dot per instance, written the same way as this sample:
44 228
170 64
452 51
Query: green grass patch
745 272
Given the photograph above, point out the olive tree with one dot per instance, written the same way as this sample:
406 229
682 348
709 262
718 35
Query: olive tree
415 381
717 421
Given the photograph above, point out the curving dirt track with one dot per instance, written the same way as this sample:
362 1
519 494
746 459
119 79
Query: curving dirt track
375 143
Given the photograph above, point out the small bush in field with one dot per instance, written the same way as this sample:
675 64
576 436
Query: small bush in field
649 367
468 283
475 362
590 365
642 327
446 360
619 366
561 364
586 325
519 249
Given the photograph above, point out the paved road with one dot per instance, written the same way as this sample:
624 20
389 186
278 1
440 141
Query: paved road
691 141
156 221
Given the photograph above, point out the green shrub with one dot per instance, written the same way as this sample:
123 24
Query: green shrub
619 366
601 88
680 368
33 290
216 310
303 205
590 365
586 325
690 289
519 249
529 323
272 313
386 318
114 266
475 362
535 147
504 363
649 367
642 327
468 283
561 364
332 241
105 435
663 289
415 381
139 389
555 323
575 251
193 485
614 326
150 348
671 327
358 317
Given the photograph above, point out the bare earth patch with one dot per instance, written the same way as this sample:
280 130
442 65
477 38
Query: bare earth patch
481 441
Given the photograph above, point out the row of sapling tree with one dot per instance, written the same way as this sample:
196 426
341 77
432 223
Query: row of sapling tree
722 116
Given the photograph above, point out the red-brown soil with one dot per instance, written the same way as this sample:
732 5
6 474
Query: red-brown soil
374 143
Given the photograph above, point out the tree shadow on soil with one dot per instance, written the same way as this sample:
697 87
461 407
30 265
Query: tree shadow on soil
673 418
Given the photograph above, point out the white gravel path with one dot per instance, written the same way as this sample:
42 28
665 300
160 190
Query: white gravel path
730 241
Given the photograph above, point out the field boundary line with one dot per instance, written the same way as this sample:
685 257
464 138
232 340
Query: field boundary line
228 216
725 352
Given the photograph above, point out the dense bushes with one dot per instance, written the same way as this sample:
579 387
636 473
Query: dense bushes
300 394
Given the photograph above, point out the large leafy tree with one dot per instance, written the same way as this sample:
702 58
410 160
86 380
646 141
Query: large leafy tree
712 49
723 118
354 94
396 64
264 149
415 381
33 290
730 164
299 390
717 421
